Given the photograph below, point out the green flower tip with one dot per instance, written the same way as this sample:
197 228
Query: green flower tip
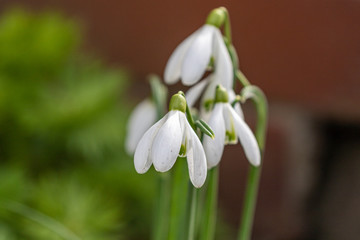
217 17
178 102
221 94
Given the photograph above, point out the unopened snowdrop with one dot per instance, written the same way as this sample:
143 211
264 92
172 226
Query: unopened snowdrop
191 58
228 126
141 119
169 138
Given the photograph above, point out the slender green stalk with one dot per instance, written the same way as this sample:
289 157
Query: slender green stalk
242 78
190 118
253 179
193 210
209 217
227 26
259 99
161 216
179 202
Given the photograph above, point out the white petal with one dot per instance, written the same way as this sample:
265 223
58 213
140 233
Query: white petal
223 65
196 158
237 106
214 147
142 159
193 94
198 56
167 143
209 93
141 119
246 136
173 66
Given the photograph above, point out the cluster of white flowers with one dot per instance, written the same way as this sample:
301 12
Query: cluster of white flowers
172 136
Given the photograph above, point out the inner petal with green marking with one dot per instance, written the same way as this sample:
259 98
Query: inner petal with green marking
230 136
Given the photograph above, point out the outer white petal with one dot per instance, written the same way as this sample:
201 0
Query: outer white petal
142 159
141 119
173 66
167 143
198 56
196 158
237 106
246 136
193 94
223 65
214 147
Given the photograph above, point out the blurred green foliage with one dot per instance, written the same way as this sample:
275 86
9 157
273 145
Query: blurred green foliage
63 171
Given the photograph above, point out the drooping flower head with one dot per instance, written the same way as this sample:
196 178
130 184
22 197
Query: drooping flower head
228 126
191 58
169 138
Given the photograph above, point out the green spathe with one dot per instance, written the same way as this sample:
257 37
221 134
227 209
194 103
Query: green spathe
221 95
216 17
178 102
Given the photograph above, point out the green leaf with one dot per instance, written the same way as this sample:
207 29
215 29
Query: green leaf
159 93
205 128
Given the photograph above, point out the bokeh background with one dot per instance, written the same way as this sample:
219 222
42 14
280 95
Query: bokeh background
71 71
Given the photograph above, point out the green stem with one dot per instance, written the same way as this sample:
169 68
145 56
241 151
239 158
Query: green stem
209 218
242 78
227 26
253 179
193 210
179 201
161 216
190 118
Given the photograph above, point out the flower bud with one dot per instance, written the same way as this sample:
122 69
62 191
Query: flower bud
178 102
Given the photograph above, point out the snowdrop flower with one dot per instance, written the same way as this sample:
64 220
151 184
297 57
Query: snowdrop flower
169 138
190 59
228 126
141 119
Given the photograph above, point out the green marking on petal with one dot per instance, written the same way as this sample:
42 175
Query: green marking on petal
182 152
230 136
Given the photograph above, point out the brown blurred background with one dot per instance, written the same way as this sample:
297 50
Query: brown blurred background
305 55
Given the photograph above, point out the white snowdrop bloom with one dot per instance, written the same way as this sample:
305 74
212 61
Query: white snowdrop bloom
190 59
141 119
169 138
228 126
